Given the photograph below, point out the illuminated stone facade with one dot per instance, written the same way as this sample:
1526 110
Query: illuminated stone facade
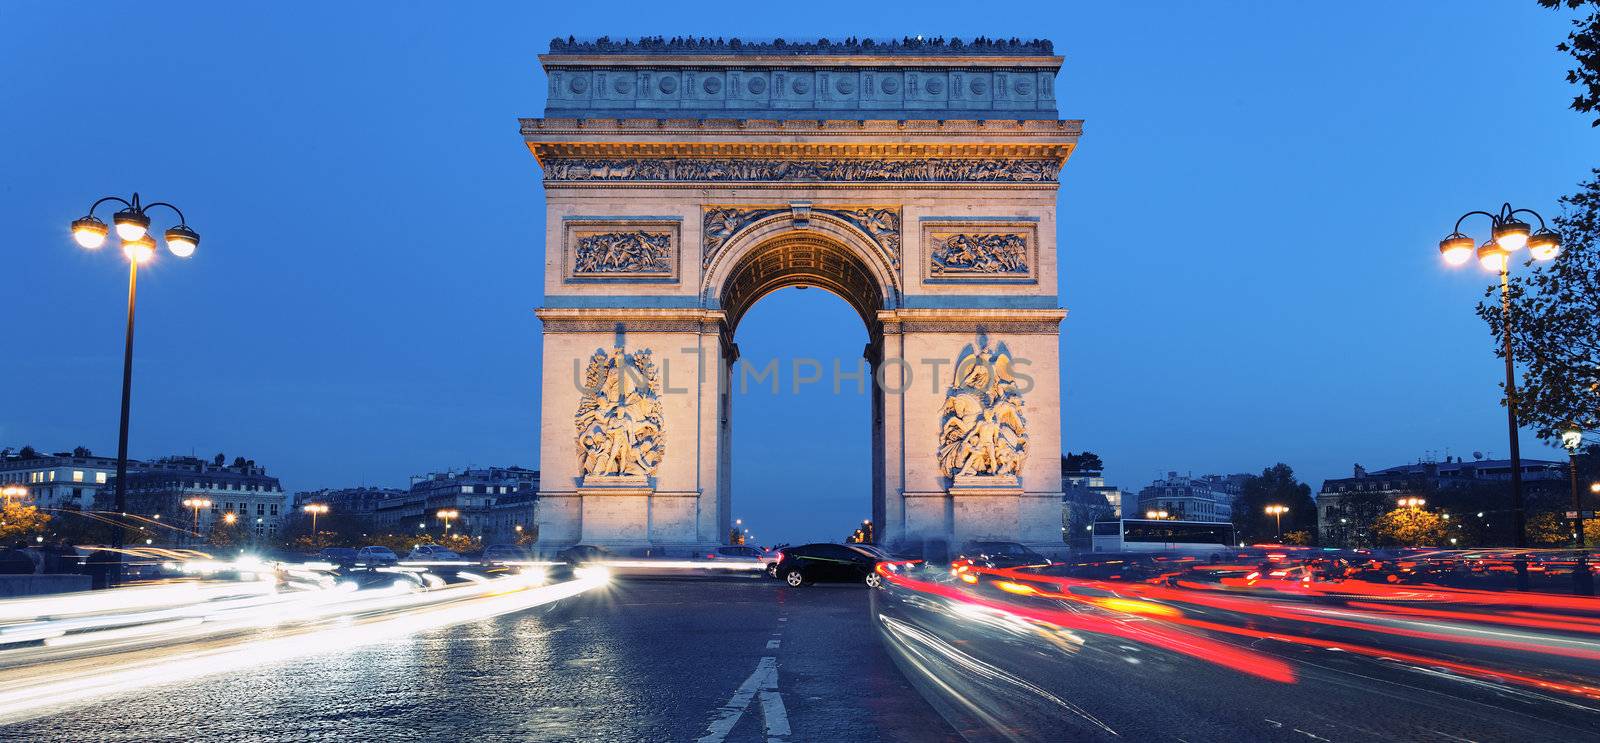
684 184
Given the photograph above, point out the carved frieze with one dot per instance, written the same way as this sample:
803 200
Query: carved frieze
881 225
995 251
756 170
620 249
602 253
983 433
619 426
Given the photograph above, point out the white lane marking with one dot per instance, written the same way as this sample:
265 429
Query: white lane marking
773 713
783 619
772 644
762 681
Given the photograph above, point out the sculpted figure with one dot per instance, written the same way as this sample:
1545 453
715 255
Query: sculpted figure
983 431
619 416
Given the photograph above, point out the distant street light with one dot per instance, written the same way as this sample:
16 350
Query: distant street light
1155 514
196 504
133 226
13 491
445 515
315 509
1572 439
229 517
1413 503
1277 512
1509 235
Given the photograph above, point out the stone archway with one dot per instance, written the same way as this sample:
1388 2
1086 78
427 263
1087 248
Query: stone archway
681 188
782 256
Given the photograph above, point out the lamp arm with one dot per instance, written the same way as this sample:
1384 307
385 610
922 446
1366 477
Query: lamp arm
97 204
1463 218
1535 214
185 222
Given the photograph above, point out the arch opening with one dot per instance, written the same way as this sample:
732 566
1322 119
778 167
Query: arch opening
801 259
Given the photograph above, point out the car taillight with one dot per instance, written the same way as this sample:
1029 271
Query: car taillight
710 556
778 557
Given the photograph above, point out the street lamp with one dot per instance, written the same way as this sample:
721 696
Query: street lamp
13 491
1277 512
133 227
1509 234
229 517
1155 514
196 504
315 509
1412 503
1572 439
445 515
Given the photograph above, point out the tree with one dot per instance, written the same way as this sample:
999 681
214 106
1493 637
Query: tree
18 521
1583 43
82 451
1085 462
1410 527
218 459
1276 485
27 452
227 534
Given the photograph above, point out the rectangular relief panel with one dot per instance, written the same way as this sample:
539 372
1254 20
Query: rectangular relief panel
621 249
980 250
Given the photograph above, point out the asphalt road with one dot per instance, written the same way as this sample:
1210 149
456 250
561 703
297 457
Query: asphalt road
730 659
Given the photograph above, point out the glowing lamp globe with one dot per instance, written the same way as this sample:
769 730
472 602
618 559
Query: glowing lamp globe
1493 257
89 232
1544 244
1456 249
140 250
1512 235
182 241
131 225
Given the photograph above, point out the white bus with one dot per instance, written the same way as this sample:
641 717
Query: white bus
1162 535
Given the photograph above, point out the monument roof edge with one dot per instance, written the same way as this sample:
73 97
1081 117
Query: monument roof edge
560 61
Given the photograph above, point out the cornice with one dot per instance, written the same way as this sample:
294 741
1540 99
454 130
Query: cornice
800 150
576 61
534 128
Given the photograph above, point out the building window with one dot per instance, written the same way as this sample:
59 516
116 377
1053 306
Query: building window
52 475
261 509
77 475
100 477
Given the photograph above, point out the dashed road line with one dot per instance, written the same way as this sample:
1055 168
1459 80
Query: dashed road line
763 682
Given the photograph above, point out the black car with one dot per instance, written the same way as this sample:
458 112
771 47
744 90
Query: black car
990 554
583 554
849 563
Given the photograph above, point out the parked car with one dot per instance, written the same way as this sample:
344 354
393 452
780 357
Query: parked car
338 555
432 553
990 554
850 563
580 554
506 553
374 554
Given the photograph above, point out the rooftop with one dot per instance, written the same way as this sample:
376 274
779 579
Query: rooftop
909 46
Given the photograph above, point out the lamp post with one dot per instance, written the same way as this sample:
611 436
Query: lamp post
133 229
1277 512
1508 234
1412 503
445 515
196 504
13 491
315 509
1583 581
1155 514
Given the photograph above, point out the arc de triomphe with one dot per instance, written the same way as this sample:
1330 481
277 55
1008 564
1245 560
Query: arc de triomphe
684 182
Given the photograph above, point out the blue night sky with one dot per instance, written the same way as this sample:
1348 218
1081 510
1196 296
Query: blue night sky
1247 239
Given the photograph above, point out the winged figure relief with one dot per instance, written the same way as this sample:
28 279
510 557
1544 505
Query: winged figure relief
619 415
983 431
